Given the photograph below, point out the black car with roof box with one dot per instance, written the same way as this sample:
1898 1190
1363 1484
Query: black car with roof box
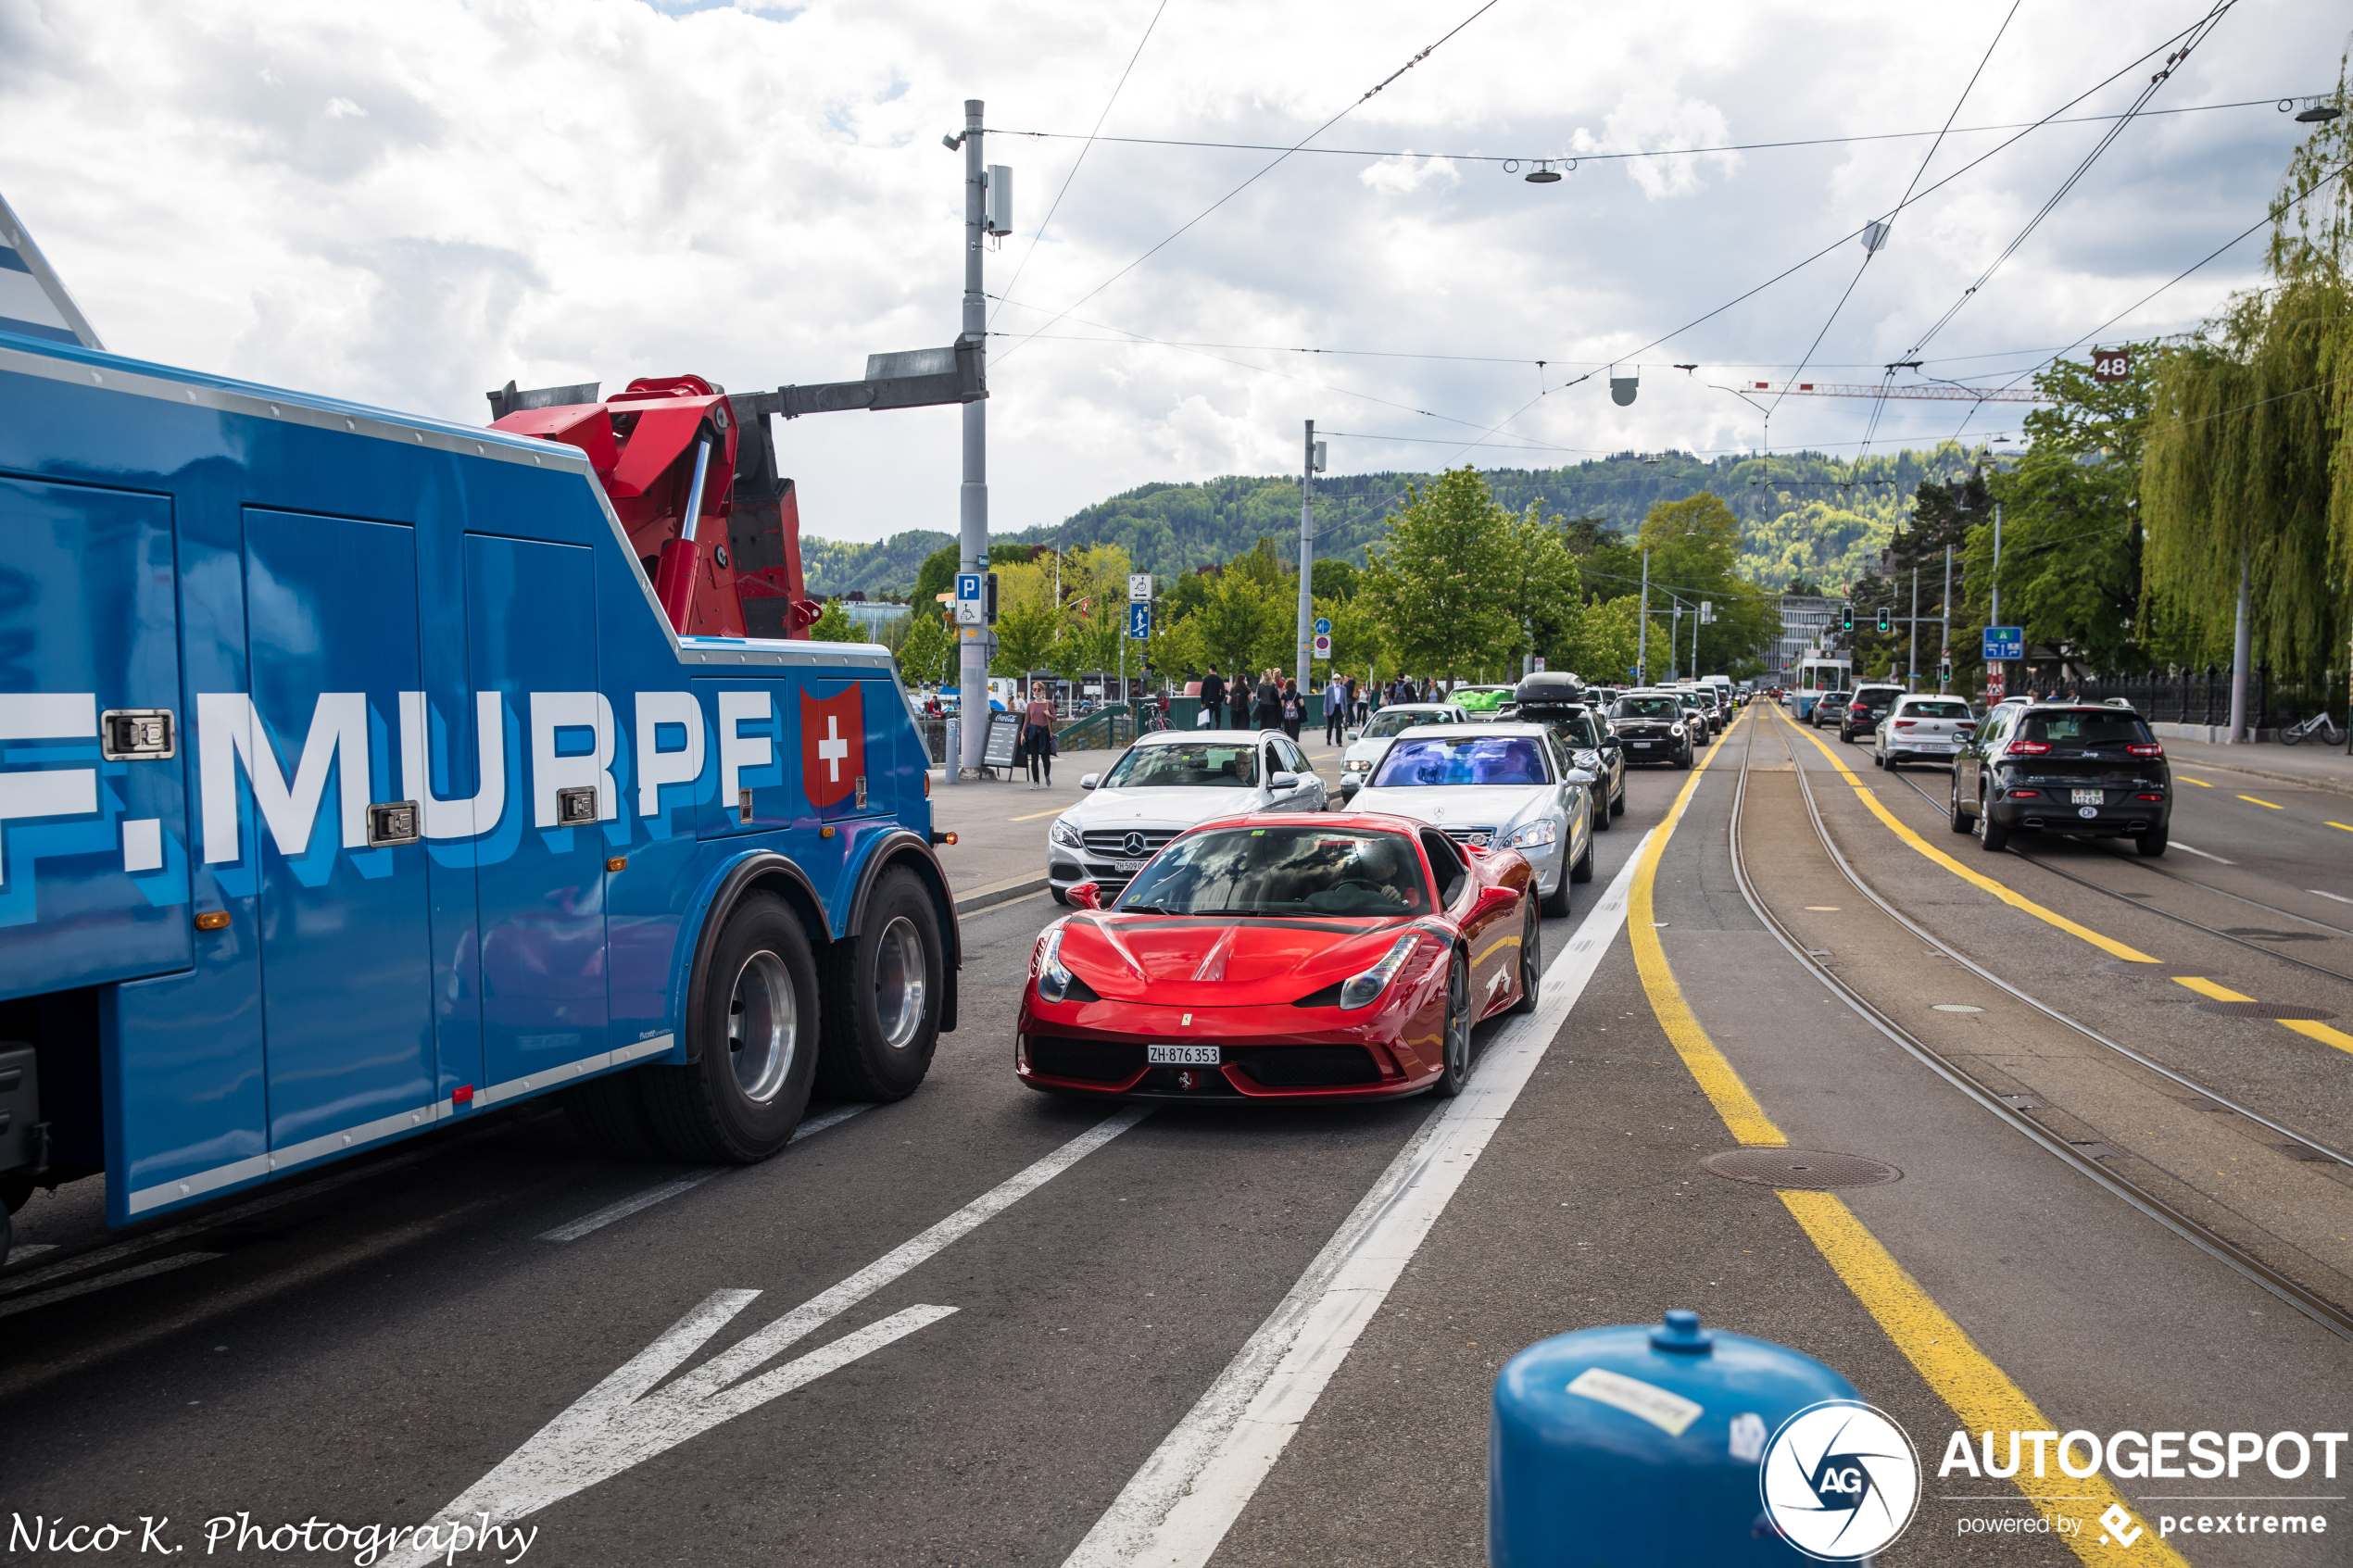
1562 703
2063 768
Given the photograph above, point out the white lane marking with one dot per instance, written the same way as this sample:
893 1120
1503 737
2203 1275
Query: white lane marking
629 1206
2190 849
623 1421
2338 896
30 1249
121 1276
1175 1511
833 1118
652 1195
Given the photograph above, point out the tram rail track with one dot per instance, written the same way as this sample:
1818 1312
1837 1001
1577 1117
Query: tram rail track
2286 1289
2130 902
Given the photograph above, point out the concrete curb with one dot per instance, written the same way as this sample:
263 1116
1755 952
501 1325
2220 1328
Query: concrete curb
1000 892
2307 781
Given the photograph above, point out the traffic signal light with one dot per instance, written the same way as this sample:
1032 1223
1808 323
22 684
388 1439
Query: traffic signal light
989 598
1886 621
1847 618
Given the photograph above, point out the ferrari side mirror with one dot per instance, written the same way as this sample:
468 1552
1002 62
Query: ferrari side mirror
1087 896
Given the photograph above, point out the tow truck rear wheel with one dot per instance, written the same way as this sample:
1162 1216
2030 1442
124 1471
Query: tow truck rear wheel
884 987
757 1030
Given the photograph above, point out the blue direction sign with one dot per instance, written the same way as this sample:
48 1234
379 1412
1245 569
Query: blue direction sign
2005 642
1322 626
1139 621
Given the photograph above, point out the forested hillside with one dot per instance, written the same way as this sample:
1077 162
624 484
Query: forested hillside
1801 514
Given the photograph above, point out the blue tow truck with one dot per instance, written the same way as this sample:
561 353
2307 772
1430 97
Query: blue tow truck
355 780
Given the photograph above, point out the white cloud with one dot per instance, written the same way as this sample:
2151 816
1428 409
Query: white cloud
1405 174
409 205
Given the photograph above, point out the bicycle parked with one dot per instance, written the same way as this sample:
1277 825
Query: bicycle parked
2320 727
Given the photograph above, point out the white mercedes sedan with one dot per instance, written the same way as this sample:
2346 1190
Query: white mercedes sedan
1493 786
1164 783
1366 746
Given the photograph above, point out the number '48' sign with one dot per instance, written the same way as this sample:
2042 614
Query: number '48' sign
2111 364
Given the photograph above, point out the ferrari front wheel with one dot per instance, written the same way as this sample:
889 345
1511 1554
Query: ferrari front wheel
1456 1070
1531 960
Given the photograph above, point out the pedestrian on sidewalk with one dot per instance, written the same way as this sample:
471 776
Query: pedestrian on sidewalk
1038 739
1339 699
1295 708
1266 711
1213 697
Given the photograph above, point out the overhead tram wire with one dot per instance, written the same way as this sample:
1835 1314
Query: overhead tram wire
1871 251
1038 238
2207 25
1613 157
2230 243
1369 95
1922 195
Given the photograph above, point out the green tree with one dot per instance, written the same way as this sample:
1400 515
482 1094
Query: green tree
1695 546
835 626
1598 640
936 576
1242 623
1333 579
928 656
1025 638
1441 588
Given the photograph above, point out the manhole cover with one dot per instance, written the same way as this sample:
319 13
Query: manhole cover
2163 971
2266 1010
1804 1169
2259 935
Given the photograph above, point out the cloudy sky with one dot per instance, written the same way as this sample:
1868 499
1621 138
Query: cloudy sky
409 204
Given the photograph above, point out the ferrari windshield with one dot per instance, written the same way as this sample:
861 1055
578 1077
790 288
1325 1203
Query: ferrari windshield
1473 759
1282 871
1649 707
1390 720
1186 766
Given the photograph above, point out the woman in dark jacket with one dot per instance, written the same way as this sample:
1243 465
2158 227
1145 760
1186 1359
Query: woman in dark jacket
1267 713
1295 708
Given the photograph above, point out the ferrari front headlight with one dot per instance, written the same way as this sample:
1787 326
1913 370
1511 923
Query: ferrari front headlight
1365 989
1054 980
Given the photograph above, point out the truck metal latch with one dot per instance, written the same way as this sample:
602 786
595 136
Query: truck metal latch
136 735
576 807
391 821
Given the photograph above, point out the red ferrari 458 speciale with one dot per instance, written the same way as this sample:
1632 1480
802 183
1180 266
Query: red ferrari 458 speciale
1283 956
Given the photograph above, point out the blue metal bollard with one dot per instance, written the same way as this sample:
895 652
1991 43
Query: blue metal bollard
1625 1448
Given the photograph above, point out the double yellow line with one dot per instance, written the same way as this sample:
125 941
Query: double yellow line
1979 1392
2018 900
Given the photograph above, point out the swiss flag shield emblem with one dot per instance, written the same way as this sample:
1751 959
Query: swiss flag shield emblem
833 745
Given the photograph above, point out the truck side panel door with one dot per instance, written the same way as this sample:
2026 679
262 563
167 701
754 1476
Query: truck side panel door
93 853
531 636
331 636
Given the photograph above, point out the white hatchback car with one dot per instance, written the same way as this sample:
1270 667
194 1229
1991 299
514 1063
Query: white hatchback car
1922 727
1504 787
1366 744
1164 783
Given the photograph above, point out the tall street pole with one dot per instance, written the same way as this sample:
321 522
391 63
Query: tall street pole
1306 556
1997 590
972 542
1643 628
1945 658
2242 651
1912 677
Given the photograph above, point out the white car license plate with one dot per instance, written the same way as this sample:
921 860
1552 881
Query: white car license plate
1181 1056
1641 745
1127 865
2088 796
